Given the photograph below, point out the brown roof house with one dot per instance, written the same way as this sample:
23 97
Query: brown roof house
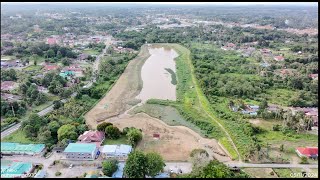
8 85
96 137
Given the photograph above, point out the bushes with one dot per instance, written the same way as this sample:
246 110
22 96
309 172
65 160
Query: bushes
58 173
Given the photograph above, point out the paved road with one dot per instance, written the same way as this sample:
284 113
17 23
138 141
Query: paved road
186 167
10 130
312 166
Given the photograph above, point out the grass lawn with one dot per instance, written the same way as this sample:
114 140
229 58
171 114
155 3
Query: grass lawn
121 140
7 57
33 68
91 52
18 137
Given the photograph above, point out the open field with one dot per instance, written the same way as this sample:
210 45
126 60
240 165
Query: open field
91 52
18 137
175 143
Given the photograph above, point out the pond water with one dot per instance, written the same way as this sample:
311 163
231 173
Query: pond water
156 79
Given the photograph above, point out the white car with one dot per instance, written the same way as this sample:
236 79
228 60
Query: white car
71 165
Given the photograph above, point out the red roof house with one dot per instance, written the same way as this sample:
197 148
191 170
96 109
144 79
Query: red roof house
48 67
313 76
278 58
51 41
92 136
8 85
307 151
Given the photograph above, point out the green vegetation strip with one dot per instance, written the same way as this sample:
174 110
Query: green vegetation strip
173 76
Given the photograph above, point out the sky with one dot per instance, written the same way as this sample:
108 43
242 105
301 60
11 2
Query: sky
191 3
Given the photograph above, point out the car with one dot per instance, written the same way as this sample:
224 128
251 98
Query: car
71 165
99 167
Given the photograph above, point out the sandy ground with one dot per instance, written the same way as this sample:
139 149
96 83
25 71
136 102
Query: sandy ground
122 93
175 142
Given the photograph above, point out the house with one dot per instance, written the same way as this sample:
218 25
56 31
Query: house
119 152
51 41
229 46
42 89
311 152
22 149
48 67
10 97
265 51
8 85
66 74
96 137
314 76
278 58
81 151
83 56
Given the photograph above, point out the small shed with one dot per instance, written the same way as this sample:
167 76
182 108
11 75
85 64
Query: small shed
156 135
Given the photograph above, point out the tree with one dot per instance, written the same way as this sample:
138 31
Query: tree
304 160
216 169
109 167
136 166
112 132
35 62
199 158
134 136
50 53
264 104
102 126
67 131
57 104
66 62
155 164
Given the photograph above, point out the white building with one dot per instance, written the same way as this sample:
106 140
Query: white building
119 152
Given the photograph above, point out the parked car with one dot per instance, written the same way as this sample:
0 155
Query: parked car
71 165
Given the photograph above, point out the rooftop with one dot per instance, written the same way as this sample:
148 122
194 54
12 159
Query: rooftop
117 149
21 148
80 147
11 169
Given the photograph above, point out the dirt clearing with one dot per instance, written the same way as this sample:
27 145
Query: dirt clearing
175 142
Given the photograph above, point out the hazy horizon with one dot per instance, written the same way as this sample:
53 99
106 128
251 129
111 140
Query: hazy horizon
177 3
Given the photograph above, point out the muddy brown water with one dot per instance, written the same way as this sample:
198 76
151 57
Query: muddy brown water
156 79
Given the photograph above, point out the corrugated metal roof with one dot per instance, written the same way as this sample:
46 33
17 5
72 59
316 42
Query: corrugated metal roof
80 147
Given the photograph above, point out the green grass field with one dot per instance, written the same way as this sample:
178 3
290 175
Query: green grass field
18 137
33 68
121 140
91 52
7 57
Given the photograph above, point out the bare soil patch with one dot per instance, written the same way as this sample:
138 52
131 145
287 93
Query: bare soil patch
175 142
